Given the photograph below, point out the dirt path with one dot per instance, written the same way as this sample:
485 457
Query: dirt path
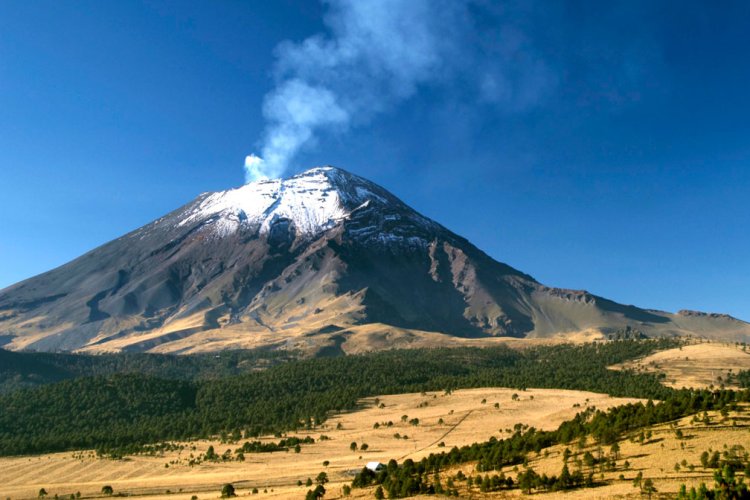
451 429
469 416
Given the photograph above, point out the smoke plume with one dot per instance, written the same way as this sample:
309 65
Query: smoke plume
377 53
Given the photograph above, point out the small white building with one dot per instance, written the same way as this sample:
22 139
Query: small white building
375 466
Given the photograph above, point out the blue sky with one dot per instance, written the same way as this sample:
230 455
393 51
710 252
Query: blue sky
595 145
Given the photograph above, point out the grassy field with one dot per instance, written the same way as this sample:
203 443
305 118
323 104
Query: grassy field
445 420
466 419
698 365
655 459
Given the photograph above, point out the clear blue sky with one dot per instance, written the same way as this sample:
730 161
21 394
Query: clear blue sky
595 145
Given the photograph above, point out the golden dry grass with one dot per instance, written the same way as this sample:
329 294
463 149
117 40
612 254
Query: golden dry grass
655 459
465 420
308 339
698 365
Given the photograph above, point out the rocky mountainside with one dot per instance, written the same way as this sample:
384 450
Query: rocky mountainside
324 261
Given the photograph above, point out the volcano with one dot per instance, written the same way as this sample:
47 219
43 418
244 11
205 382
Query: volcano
324 262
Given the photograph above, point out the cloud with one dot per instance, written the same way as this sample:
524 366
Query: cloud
508 57
377 53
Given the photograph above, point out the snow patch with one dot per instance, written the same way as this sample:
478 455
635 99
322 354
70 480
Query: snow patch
310 200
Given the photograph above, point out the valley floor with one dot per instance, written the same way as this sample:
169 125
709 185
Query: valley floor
462 417
468 416
666 459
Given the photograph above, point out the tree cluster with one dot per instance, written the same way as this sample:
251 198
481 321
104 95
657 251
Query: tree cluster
123 412
605 426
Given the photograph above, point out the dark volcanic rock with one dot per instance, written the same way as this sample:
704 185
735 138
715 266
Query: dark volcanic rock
305 257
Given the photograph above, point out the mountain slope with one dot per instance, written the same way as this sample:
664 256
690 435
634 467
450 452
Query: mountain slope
323 260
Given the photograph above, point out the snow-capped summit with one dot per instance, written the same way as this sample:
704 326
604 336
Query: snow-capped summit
323 260
312 202
309 200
